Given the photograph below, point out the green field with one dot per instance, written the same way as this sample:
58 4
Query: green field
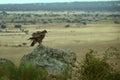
78 39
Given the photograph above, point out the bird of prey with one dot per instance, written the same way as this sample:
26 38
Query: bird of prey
37 37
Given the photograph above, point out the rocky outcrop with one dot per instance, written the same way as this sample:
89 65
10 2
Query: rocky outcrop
55 61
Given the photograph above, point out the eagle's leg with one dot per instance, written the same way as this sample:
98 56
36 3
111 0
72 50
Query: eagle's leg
40 42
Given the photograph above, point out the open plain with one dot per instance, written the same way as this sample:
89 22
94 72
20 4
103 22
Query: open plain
98 37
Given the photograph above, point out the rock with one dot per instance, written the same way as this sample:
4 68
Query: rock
55 61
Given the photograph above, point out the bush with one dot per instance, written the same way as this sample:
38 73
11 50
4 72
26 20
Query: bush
84 23
24 44
92 68
116 22
23 72
17 26
3 26
97 69
66 26
7 71
65 76
30 72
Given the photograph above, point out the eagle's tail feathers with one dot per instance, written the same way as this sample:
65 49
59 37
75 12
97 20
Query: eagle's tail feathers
33 43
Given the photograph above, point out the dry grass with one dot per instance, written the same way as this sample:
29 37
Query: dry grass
98 37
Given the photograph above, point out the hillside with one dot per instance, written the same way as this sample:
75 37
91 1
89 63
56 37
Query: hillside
81 6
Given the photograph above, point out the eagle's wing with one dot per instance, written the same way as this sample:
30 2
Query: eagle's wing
32 38
36 35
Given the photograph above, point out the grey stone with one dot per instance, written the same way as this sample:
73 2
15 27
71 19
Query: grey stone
55 61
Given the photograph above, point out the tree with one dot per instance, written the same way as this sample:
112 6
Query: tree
66 26
4 12
84 23
3 26
116 22
17 26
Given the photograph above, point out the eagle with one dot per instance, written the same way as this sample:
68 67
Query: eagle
37 37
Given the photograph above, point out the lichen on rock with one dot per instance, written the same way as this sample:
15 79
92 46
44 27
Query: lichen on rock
55 61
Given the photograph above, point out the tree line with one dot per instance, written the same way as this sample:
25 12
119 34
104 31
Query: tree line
82 6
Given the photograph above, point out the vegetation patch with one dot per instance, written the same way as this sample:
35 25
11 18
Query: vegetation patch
92 68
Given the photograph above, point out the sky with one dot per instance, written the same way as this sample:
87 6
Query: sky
42 1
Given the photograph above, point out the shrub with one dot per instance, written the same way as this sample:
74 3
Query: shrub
112 52
65 76
19 45
116 22
92 68
84 23
24 44
23 72
7 71
17 26
66 26
3 26
97 69
30 72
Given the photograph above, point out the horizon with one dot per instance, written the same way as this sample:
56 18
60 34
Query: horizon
47 1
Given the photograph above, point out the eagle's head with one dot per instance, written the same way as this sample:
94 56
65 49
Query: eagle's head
44 31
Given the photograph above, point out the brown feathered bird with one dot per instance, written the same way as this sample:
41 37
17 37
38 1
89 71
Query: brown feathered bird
37 37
